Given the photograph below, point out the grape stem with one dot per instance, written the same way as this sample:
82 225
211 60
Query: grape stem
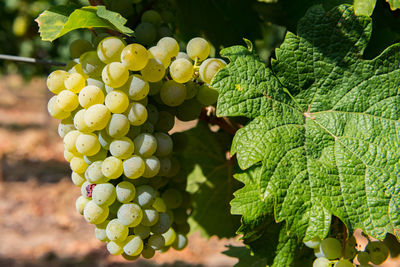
208 114
31 60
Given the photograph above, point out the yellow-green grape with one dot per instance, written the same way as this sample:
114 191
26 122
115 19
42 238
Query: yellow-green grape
191 89
183 55
154 70
55 111
133 245
100 231
97 116
137 114
122 148
331 248
112 167
116 231
164 144
169 236
78 47
172 93
91 64
101 155
67 100
109 49
155 88
87 144
144 101
90 95
94 213
126 192
344 263
181 70
78 165
70 141
160 54
145 145
172 198
115 74
77 68
65 126
77 179
148 252
180 242
145 33
142 231
198 48
322 262
363 257
378 252
170 45
134 57
115 248
80 204
209 68
156 241
116 101
55 81
207 95
75 82
130 214
150 217
159 205
152 167
137 87
133 167
152 16
94 173
104 194
130 258
79 122
118 126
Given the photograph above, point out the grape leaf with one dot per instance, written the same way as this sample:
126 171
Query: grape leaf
59 20
325 128
364 7
394 4
245 257
210 180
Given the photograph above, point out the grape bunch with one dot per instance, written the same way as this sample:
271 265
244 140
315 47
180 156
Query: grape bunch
330 253
117 103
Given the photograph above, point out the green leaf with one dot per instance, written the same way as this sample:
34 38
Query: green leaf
364 7
325 129
59 20
394 4
210 180
245 257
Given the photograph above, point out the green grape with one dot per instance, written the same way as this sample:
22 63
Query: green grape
150 217
145 145
378 252
183 55
104 194
20 25
172 198
97 116
147 127
70 141
94 174
152 167
313 243
55 111
115 74
142 231
363 257
191 89
133 245
137 114
152 16
116 231
152 114
165 121
87 144
172 93
180 242
350 250
130 214
146 33
209 68
65 126
145 196
99 156
77 179
94 213
75 82
133 132
207 95
126 192
159 205
170 45
90 95
134 57
91 64
155 88
67 101
78 47
115 248
133 167
189 110
175 167
164 144
160 54
109 49
122 148
154 71
118 126
163 224
104 139
169 236
331 248
112 167
79 122
81 203
164 31
100 231
343 263
180 215
78 165
148 252
156 241
321 262
137 87
181 70
117 101
55 81
198 48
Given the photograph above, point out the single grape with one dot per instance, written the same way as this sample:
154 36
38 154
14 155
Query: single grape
104 194
55 81
137 114
363 257
133 167
118 126
90 95
189 110
86 190
183 55
65 126
79 122
148 252
134 57
156 241
91 64
172 198
145 145
75 82
76 69
133 245
126 192
154 70
155 88
163 224
378 252
165 121
94 173
145 33
181 70
94 213
170 45
97 116
67 101
115 248
112 167
172 93
78 47
169 236
142 231
191 89
152 167
100 231
150 217
322 262
78 165
161 54
198 48
55 111
147 127
81 203
343 263
77 179
137 87
117 101
130 214
122 148
164 144
331 248
151 16
130 258
116 231
159 205
87 144
209 68
110 49
115 74
180 242
145 196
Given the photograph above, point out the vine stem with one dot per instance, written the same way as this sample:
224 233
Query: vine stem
208 114
31 60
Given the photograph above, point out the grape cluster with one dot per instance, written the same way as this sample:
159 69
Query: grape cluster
330 253
117 103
